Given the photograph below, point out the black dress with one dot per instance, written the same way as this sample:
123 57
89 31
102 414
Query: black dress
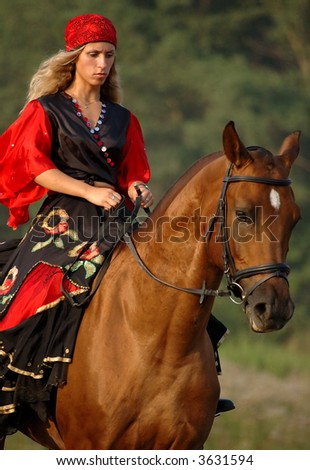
62 252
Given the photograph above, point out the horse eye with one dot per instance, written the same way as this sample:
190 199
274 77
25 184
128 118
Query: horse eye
243 217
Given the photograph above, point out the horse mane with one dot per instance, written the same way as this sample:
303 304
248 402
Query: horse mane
188 174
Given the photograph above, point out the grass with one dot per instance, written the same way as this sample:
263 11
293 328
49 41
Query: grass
20 442
257 351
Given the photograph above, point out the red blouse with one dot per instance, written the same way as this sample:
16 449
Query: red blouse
25 149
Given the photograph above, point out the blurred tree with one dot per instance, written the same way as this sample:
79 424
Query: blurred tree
187 68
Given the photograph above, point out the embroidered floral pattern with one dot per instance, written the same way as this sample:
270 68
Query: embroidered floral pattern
90 260
75 260
62 225
56 224
7 284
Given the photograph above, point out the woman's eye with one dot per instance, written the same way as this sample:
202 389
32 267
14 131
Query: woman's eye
243 217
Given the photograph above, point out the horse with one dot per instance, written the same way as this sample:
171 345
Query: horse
143 374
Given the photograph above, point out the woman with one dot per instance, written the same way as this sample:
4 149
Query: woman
74 142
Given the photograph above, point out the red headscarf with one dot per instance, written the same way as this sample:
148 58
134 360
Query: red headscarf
89 28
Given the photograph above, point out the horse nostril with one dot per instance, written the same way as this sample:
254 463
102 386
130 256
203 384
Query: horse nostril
260 308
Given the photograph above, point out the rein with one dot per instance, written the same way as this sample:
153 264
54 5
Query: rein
124 230
201 292
233 276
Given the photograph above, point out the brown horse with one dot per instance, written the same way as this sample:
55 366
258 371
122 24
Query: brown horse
143 374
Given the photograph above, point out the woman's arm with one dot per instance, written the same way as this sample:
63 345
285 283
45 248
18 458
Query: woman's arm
134 169
56 180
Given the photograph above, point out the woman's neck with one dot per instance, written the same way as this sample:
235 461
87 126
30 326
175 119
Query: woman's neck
84 97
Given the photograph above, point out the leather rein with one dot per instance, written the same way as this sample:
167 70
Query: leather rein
233 276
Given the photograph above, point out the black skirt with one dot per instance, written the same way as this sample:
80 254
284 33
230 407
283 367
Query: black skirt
45 284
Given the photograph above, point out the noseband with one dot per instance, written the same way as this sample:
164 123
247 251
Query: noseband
233 276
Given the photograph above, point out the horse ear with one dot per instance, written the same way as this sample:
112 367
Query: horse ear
290 149
234 149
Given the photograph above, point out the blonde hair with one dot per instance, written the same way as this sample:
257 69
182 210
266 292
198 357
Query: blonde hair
57 73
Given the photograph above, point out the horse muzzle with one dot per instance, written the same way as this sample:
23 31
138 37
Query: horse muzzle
265 295
269 307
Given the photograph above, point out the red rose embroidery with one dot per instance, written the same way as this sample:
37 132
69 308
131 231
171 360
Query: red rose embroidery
9 281
59 228
92 252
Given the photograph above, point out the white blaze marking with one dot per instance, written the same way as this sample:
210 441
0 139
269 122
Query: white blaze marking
275 199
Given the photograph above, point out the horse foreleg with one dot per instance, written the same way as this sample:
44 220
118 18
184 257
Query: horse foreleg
2 442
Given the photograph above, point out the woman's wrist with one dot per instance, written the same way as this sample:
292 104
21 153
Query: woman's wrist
139 188
139 183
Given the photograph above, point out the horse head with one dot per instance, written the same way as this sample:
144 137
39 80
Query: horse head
258 213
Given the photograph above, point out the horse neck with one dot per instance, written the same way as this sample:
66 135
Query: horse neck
172 246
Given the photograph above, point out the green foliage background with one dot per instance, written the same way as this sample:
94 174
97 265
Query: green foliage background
187 68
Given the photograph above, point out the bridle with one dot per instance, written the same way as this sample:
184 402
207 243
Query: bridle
233 276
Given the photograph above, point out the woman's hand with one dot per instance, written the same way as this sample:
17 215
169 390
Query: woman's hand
146 194
100 194
107 198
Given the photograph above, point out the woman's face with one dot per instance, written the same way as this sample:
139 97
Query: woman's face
94 63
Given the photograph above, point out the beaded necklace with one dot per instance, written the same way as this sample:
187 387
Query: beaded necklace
94 130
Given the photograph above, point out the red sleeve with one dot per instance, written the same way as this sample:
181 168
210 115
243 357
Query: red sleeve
134 166
24 154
